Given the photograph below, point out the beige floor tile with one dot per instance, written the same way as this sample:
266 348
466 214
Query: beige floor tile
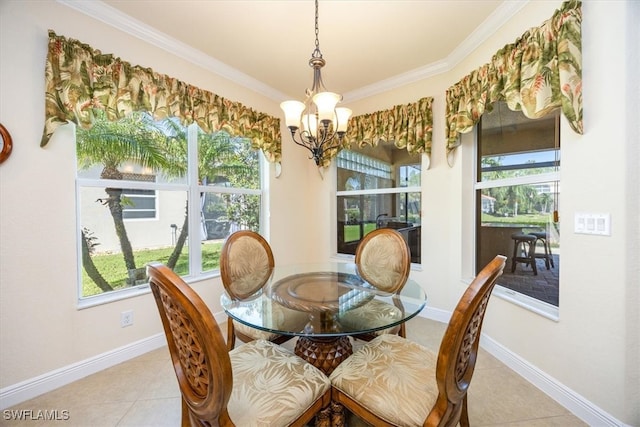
560 421
487 361
97 414
498 396
118 383
425 332
144 392
153 413
161 354
163 385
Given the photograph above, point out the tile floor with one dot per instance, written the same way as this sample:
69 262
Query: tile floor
144 392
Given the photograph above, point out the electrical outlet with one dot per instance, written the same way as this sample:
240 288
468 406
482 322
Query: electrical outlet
126 318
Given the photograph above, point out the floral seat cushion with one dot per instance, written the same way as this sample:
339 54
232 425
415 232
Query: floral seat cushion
390 362
372 315
264 372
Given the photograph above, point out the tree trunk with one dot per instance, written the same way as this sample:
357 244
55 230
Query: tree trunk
114 203
90 267
182 238
115 206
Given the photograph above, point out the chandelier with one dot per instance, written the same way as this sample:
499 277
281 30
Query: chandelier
316 124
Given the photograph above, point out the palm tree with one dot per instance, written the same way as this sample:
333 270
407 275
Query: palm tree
134 139
88 245
545 200
160 146
220 158
235 162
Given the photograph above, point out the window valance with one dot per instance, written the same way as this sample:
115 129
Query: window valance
538 73
80 79
409 126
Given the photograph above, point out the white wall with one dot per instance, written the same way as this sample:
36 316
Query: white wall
41 328
592 349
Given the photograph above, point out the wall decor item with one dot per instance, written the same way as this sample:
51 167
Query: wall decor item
6 144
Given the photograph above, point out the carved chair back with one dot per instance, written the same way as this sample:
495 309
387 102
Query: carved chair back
197 346
459 348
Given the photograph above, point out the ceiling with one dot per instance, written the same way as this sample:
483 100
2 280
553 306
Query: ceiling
369 46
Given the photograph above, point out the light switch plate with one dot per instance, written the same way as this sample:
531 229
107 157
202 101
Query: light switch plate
593 223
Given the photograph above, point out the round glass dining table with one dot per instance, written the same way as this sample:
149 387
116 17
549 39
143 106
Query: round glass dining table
322 305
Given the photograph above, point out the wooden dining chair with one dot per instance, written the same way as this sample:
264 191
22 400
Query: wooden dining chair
246 264
258 383
383 259
392 381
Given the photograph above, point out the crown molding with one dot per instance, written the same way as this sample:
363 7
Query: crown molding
497 19
125 23
397 81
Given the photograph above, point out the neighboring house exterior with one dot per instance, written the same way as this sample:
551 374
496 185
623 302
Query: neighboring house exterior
488 204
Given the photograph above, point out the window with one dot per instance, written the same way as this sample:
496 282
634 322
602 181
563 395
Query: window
138 204
177 179
378 187
517 191
230 190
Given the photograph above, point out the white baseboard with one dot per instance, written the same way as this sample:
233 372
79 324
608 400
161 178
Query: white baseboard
436 314
572 401
25 390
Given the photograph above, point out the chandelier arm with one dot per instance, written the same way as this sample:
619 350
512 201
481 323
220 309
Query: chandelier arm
332 141
304 139
307 141
325 141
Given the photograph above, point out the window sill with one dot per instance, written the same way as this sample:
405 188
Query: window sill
539 307
109 297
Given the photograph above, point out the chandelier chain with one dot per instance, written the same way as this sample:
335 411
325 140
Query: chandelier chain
316 53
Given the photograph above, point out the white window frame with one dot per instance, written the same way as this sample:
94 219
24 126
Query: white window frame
342 193
532 304
547 310
145 196
193 196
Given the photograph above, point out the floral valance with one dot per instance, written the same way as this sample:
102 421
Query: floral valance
538 73
80 79
409 126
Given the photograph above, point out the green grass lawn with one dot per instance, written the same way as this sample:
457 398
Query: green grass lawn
526 219
352 232
112 267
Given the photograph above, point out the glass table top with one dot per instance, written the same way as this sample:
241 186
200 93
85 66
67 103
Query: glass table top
328 299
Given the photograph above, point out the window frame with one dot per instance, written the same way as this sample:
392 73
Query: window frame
374 192
527 302
192 192
154 196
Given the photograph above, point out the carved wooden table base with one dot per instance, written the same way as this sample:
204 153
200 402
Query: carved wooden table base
331 416
324 353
